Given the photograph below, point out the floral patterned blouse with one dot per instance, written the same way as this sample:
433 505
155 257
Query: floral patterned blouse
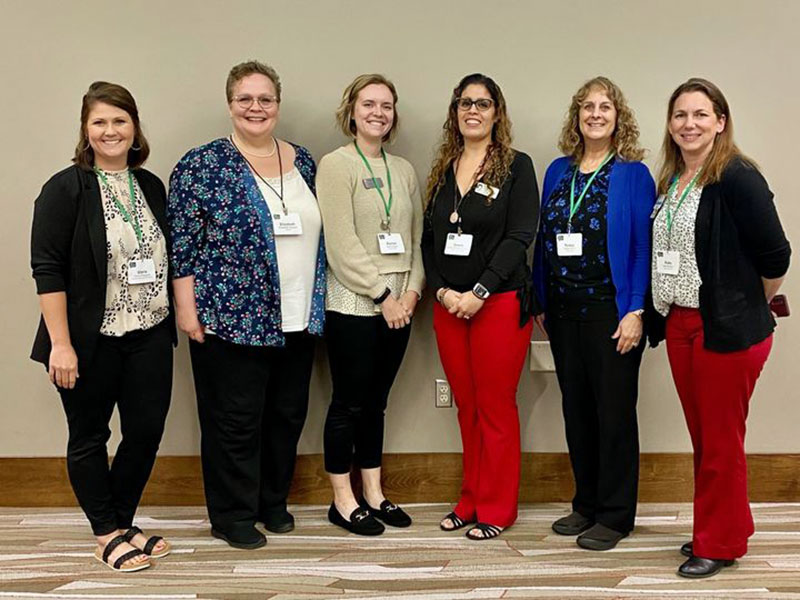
222 234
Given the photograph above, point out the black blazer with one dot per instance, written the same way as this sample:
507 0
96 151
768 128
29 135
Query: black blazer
68 253
738 240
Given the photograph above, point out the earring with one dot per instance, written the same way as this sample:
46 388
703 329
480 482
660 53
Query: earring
135 148
87 146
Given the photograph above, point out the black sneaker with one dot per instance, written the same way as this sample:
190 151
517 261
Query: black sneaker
572 524
281 522
600 537
360 523
243 538
389 513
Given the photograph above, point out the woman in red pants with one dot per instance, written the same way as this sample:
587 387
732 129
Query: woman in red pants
719 256
482 215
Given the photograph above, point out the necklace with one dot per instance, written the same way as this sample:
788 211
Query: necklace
455 216
270 154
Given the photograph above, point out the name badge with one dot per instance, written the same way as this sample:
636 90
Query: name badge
141 271
287 224
458 244
657 206
391 243
370 183
487 190
668 262
569 244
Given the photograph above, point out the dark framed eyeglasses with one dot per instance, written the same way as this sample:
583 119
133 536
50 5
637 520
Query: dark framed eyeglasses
245 101
465 104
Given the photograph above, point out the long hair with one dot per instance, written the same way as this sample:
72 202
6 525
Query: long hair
344 114
625 138
118 96
501 155
722 151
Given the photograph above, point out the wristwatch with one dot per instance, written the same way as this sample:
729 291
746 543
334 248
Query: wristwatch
639 313
382 297
480 291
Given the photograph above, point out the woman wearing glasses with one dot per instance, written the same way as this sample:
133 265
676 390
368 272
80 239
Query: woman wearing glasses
371 208
481 218
249 268
591 270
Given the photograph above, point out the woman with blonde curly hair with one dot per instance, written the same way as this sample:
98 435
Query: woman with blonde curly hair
591 274
481 219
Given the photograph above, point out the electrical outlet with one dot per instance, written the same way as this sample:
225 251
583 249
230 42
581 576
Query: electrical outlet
441 395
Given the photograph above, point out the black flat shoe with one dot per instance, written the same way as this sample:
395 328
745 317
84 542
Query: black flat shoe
278 523
389 513
686 549
360 523
698 567
600 537
572 524
245 539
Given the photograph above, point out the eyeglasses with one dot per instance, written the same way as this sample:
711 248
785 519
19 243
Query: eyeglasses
483 104
265 102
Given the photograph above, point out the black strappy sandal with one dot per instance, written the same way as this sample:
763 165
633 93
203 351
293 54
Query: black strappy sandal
120 562
150 544
458 522
487 531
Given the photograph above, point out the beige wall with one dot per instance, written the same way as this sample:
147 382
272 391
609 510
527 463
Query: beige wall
174 57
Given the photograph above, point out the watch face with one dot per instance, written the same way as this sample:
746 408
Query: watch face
480 291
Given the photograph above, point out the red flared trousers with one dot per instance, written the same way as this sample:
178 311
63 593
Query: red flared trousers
483 358
715 390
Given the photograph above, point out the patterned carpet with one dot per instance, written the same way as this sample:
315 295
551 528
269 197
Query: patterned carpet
47 553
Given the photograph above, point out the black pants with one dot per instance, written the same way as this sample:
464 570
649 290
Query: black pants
252 403
364 356
133 372
599 387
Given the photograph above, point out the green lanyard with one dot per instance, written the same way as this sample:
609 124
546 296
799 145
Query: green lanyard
126 216
573 205
686 190
387 206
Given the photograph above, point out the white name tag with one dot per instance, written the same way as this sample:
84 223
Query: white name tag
458 244
569 244
668 262
141 271
391 243
287 224
487 190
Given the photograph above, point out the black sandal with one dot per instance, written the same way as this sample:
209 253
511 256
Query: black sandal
150 544
487 531
458 522
118 564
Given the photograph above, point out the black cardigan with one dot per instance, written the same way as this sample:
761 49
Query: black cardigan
738 240
68 253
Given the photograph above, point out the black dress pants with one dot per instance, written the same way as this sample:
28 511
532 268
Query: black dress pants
599 387
365 355
252 403
133 372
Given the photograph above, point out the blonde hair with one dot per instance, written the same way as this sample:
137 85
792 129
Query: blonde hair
624 139
723 150
500 154
344 114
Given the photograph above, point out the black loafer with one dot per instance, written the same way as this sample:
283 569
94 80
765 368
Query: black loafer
698 567
389 513
686 549
282 522
572 524
360 523
600 537
244 539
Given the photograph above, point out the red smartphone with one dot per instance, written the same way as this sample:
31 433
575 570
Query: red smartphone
779 305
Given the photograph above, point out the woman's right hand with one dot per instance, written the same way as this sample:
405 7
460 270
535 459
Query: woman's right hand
187 321
450 299
394 313
63 366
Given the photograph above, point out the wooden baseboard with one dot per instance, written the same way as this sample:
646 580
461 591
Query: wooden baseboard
423 477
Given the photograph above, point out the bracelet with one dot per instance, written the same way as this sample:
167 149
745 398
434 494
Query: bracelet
382 297
440 294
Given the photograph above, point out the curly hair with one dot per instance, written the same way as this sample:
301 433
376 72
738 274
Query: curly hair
500 154
625 138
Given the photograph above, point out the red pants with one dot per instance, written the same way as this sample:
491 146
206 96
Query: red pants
483 358
715 390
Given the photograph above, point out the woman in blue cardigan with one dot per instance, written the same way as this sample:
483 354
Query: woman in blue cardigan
591 273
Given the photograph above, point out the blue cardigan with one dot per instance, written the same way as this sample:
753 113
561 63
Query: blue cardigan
631 196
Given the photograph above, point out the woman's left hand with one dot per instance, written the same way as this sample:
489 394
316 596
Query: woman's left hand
468 304
409 301
628 333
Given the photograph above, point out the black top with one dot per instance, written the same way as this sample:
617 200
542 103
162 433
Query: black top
503 229
68 253
738 240
579 287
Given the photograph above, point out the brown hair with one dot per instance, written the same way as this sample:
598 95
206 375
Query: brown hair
251 67
501 155
723 150
118 96
344 114
624 139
